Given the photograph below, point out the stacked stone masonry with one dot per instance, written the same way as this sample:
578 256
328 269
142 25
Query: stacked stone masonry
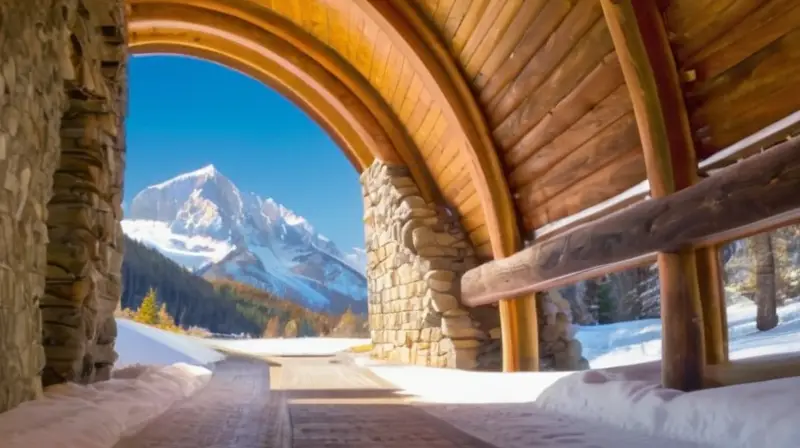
85 253
61 105
416 254
558 347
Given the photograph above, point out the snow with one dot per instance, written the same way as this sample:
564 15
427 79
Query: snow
635 342
188 251
99 415
287 347
204 172
629 396
142 344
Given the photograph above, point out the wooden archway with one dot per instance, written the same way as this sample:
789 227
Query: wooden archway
325 80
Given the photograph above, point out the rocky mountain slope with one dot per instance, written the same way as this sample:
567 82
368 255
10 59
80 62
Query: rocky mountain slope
202 221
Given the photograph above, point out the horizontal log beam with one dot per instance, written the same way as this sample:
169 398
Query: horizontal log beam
754 195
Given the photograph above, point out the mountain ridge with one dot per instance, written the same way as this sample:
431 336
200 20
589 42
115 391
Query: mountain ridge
201 220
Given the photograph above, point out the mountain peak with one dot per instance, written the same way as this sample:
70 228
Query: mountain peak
209 170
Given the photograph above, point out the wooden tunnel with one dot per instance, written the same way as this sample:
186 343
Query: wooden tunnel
546 122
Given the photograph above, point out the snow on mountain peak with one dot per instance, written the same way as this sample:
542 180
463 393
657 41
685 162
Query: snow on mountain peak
268 245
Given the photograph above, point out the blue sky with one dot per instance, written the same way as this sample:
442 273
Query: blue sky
186 113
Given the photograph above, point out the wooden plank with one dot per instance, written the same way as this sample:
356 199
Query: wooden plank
315 19
747 97
468 23
603 115
745 195
454 18
604 183
506 43
588 52
568 42
535 36
441 13
762 27
380 59
493 24
694 24
616 140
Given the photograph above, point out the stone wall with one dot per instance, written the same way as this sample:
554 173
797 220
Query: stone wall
31 102
558 347
84 254
61 162
416 253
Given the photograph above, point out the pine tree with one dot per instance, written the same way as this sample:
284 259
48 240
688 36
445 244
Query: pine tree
165 321
148 311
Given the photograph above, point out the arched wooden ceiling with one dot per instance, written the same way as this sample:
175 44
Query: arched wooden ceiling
516 109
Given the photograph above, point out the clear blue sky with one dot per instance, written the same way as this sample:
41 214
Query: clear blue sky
186 113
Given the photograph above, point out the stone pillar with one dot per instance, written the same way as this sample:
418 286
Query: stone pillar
83 256
416 253
32 68
558 347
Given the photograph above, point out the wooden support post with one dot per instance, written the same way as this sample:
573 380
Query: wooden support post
648 66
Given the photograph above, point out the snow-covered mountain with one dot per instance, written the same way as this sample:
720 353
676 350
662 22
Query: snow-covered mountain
202 221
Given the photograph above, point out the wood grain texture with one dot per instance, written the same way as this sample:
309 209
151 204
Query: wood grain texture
648 64
599 186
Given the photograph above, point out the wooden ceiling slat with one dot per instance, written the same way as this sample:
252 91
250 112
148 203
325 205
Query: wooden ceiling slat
602 184
537 33
605 114
508 41
596 87
467 26
694 24
577 65
747 97
579 36
491 22
762 27
608 145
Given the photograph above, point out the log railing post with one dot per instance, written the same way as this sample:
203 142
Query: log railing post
640 39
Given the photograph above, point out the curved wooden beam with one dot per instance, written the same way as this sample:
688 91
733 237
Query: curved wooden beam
305 45
432 61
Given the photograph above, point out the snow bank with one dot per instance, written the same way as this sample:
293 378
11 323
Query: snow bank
434 385
286 347
749 415
627 343
141 344
99 415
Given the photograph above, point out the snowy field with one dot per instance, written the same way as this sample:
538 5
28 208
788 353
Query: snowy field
286 347
157 368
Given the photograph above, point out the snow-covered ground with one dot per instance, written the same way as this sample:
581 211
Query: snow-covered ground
98 416
749 415
286 347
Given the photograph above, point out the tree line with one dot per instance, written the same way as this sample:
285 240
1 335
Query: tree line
154 285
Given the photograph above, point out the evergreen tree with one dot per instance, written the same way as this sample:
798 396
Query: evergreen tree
165 321
148 311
